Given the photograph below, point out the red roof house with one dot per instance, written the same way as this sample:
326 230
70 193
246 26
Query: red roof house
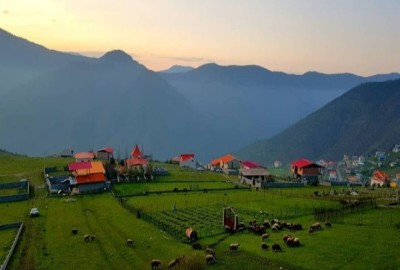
379 178
136 153
105 153
304 168
187 161
226 162
249 165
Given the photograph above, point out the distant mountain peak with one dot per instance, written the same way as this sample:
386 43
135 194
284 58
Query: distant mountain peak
117 56
177 69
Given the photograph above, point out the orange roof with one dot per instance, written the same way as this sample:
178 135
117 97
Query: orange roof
97 167
84 155
136 153
224 159
91 178
136 161
381 175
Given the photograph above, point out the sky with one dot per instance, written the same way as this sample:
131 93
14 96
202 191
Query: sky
294 36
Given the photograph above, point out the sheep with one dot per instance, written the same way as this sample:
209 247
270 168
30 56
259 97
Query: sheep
175 261
265 236
276 247
311 230
74 231
234 247
86 237
264 246
276 227
328 224
286 237
267 224
129 242
155 264
210 251
296 242
210 258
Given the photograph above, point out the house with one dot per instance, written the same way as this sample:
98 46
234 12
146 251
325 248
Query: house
84 157
228 163
332 175
253 176
187 161
136 159
381 155
105 153
305 169
67 153
379 178
396 148
89 177
277 164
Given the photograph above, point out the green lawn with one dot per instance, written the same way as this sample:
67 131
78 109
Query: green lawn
6 239
139 188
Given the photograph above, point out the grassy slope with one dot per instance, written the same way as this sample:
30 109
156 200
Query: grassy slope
47 242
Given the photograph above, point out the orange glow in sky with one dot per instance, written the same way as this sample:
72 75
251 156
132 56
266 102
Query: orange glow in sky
295 36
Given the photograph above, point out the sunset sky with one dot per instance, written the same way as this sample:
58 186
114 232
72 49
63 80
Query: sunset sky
296 36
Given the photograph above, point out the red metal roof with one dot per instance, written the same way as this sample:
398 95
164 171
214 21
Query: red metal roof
79 166
185 157
381 175
302 163
250 164
136 153
109 150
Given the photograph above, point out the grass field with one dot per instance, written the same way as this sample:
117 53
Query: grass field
363 240
6 239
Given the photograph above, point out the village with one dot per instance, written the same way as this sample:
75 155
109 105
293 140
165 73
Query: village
93 172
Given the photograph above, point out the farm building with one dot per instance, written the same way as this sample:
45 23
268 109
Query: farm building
277 164
58 184
379 178
228 163
84 157
306 170
105 153
89 177
187 161
136 159
253 176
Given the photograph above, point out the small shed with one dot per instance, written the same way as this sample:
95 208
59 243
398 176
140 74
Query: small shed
105 153
191 234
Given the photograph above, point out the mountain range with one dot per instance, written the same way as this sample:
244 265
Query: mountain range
361 121
51 101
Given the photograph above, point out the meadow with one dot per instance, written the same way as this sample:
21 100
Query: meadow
362 240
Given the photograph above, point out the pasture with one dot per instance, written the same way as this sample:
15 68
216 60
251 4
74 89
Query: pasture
364 239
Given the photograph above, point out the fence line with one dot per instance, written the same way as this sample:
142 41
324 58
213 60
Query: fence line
11 251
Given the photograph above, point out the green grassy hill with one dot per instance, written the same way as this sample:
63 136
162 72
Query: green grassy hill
47 242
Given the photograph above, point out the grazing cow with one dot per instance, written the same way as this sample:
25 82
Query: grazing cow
264 246
311 230
290 242
328 224
265 236
129 242
317 226
234 247
155 264
210 258
74 231
276 247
